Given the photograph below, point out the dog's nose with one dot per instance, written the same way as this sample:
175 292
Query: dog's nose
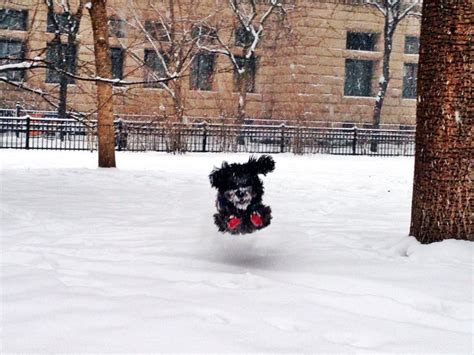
240 194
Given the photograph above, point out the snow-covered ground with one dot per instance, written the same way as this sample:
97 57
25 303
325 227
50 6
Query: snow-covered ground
128 260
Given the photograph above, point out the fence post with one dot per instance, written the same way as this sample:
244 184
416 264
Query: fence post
282 138
354 141
119 136
204 136
28 125
18 109
18 114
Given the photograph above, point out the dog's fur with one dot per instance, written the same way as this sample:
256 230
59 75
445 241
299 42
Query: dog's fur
240 193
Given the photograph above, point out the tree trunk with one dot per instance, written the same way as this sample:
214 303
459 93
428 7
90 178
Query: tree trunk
242 105
389 30
68 58
63 83
178 102
442 182
103 64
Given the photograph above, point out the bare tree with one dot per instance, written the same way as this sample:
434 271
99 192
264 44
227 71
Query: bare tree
442 193
66 21
61 66
172 35
393 11
251 17
103 64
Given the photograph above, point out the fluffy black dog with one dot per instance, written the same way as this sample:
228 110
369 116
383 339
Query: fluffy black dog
239 197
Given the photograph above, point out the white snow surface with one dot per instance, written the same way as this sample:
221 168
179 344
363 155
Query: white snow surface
128 260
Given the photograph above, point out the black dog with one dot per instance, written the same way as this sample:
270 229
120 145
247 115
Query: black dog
239 197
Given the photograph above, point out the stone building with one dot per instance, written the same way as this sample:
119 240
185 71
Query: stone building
322 64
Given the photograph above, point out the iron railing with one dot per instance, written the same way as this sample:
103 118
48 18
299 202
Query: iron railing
140 117
67 134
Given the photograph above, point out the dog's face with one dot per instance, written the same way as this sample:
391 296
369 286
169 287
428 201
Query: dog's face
239 183
240 191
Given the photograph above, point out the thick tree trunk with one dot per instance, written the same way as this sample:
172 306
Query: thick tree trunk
442 183
103 64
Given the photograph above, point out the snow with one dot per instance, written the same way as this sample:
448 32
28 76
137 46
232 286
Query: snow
19 66
128 260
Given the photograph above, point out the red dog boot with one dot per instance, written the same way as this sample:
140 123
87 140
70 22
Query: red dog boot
233 222
256 219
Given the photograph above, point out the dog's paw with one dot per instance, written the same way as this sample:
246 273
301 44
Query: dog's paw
256 219
233 223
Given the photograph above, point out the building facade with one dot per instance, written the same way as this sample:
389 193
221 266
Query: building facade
322 64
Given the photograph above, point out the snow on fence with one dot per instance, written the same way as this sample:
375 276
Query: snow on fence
28 132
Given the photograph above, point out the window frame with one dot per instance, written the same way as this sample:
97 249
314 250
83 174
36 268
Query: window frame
24 19
56 76
250 75
367 91
242 38
412 45
157 30
14 75
121 53
409 88
62 20
203 32
116 27
196 79
155 67
372 45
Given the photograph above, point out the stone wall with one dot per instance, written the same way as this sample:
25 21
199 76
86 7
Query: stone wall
300 76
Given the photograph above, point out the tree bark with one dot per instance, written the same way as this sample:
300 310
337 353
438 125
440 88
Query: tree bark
442 182
242 105
103 64
63 81
389 31
383 82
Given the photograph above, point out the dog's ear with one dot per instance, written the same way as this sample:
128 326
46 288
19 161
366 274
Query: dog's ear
219 176
263 165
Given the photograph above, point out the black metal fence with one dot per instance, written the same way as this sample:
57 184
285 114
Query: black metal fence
67 134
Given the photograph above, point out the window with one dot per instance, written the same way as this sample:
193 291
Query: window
248 76
157 30
361 41
358 77
116 27
117 55
13 19
410 72
203 33
412 45
243 38
64 21
60 57
201 72
10 52
154 68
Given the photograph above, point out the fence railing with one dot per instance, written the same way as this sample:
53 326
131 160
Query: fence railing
150 117
67 134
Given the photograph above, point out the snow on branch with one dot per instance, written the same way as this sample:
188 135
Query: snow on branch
37 63
252 18
396 10
18 66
